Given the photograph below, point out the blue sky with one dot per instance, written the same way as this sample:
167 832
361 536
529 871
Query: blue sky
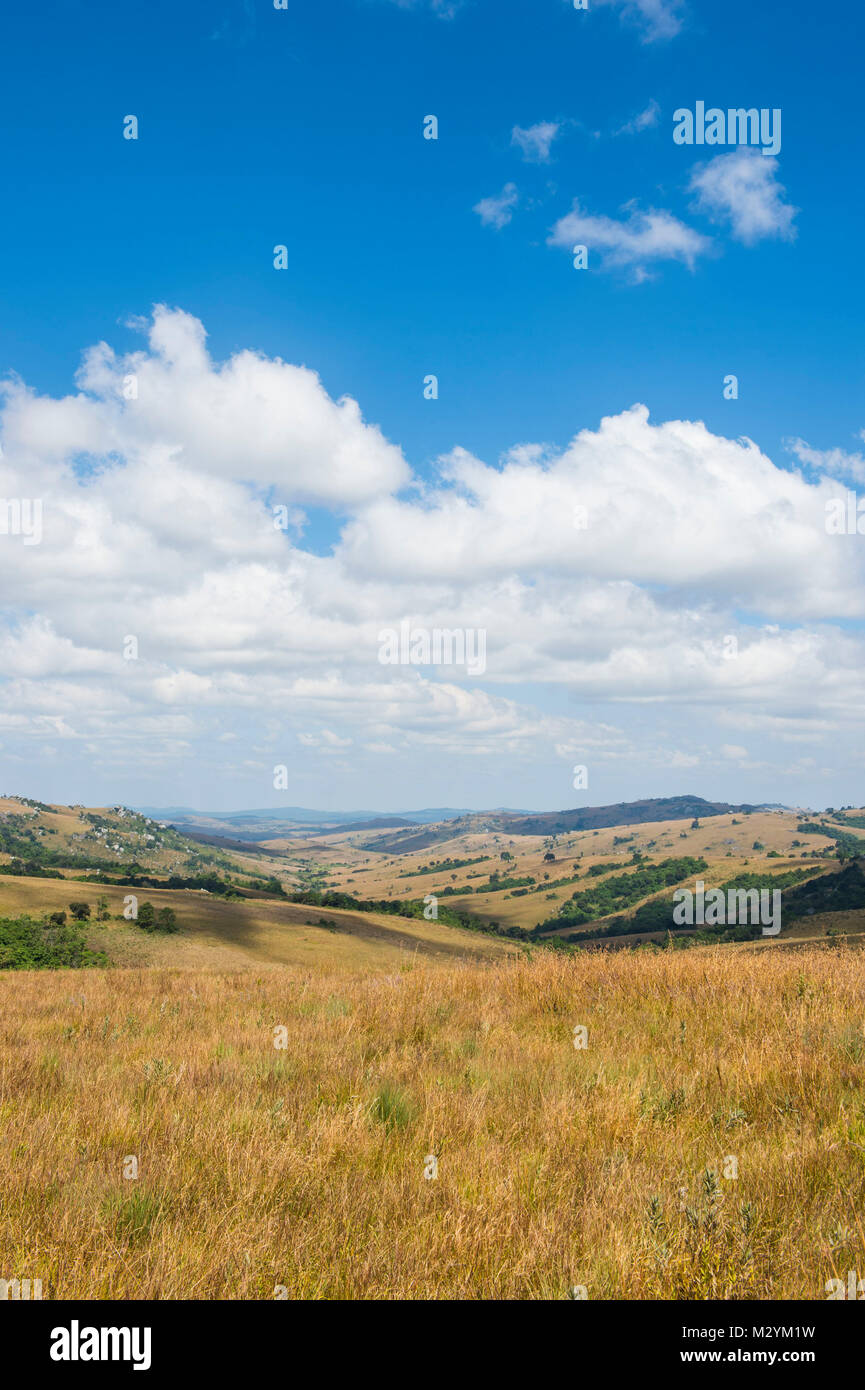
303 127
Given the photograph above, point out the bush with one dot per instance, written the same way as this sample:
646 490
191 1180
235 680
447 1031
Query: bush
166 920
80 911
28 944
146 917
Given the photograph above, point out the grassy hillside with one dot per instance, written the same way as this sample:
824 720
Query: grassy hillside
461 872
258 932
111 838
707 1143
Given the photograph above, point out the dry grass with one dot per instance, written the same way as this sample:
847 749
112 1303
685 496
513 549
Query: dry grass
726 842
557 1167
256 932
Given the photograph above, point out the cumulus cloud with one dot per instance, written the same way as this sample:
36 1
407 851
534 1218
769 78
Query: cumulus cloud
612 571
742 189
535 141
634 243
498 211
668 504
251 417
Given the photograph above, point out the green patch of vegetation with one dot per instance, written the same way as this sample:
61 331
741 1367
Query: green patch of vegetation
132 1219
27 943
149 920
496 884
847 846
392 1108
442 866
657 916
621 890
837 892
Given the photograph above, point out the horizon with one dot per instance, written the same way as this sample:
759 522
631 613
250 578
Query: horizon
369 812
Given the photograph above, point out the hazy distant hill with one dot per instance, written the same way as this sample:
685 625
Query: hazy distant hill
657 808
279 822
296 816
377 823
409 839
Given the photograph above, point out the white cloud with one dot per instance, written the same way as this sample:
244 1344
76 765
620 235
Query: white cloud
672 505
657 19
497 212
836 462
635 243
534 141
742 189
251 417
643 120
243 632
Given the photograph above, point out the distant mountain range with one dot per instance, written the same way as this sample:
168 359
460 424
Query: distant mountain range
403 831
273 822
545 823
657 808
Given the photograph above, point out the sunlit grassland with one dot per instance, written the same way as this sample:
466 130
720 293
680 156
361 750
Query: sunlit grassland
557 1167
254 932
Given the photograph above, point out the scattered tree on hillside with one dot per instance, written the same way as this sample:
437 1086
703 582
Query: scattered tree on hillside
146 916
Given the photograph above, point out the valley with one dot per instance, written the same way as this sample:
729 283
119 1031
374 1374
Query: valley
480 884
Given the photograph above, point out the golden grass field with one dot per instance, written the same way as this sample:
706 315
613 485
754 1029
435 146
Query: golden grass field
304 1168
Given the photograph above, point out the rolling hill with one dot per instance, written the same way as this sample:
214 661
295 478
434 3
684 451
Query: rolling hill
356 893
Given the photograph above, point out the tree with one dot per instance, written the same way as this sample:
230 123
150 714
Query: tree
146 916
103 912
80 911
166 919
